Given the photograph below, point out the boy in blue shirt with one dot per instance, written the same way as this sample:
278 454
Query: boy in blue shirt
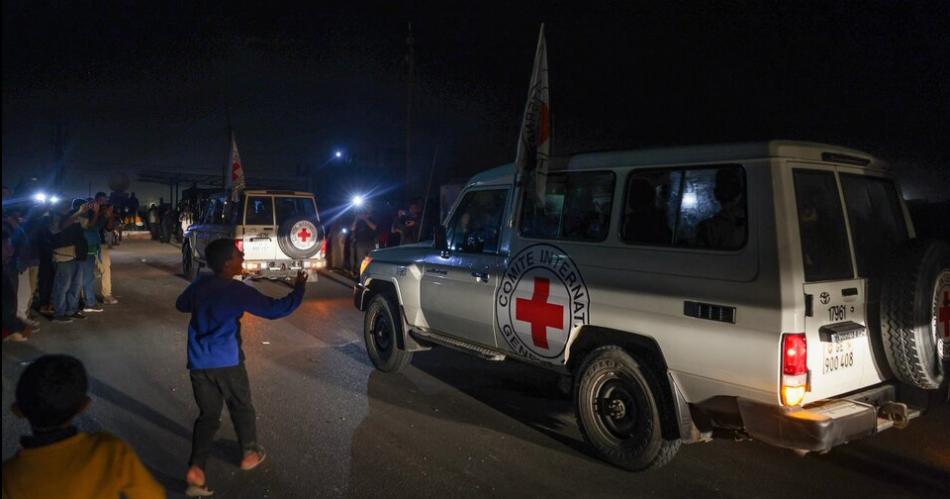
215 358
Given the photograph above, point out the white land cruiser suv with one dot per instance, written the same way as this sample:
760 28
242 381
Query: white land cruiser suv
771 289
278 231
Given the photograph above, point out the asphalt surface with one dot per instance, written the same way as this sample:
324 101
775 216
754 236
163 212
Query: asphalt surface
449 426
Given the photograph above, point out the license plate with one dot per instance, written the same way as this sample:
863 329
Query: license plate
837 356
259 245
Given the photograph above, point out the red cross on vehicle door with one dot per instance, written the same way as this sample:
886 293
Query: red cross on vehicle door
539 313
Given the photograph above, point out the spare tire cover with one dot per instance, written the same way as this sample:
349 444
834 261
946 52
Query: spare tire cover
915 314
300 237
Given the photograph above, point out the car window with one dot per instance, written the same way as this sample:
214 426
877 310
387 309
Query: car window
576 207
259 210
825 252
701 207
288 207
214 212
476 224
877 220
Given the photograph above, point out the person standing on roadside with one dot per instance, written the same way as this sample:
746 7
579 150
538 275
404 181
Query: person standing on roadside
407 222
69 252
91 224
27 262
215 357
364 234
13 328
104 262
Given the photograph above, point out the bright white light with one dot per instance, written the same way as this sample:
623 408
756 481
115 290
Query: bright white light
344 231
338 154
358 200
689 200
54 199
39 197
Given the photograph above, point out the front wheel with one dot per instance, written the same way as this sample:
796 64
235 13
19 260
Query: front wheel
382 327
618 412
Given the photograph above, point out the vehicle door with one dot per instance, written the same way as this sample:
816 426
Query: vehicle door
841 359
458 285
258 228
203 232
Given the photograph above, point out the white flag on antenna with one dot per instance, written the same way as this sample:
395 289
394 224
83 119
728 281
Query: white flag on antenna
534 140
235 180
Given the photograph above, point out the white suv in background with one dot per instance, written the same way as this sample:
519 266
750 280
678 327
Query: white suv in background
771 289
278 231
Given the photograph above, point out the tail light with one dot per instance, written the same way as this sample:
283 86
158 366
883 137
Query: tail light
794 368
239 244
323 248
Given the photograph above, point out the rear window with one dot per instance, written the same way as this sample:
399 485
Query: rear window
260 211
576 207
825 252
691 208
877 221
288 207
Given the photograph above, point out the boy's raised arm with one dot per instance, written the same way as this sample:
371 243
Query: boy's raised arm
261 305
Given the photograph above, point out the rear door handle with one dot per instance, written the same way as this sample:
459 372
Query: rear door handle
480 276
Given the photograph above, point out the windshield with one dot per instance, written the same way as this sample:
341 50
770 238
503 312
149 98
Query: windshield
288 207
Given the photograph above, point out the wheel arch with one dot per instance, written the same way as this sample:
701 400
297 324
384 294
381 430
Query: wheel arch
676 419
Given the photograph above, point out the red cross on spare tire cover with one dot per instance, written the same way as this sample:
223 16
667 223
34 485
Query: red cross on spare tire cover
300 237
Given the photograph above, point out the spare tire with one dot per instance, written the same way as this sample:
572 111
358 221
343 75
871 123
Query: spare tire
300 237
915 313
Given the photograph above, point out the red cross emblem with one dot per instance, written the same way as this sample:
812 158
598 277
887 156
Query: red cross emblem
539 313
304 234
944 318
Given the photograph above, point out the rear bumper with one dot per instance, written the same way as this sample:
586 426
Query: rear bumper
818 427
814 429
281 269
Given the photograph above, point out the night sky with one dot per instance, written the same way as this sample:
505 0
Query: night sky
150 85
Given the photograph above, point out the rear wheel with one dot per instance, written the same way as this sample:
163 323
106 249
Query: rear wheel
619 414
382 327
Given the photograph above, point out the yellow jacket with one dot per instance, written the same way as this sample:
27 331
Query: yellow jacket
83 466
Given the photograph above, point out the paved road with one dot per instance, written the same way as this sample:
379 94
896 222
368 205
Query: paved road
449 426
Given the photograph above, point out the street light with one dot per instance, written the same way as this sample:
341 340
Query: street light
358 200
39 197
338 154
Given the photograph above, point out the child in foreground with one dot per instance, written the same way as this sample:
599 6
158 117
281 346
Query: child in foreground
57 461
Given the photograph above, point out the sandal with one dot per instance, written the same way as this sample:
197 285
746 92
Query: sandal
261 456
198 491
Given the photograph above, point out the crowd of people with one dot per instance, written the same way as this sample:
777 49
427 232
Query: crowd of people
56 261
386 227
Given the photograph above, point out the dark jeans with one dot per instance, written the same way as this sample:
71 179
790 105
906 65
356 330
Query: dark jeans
213 388
66 285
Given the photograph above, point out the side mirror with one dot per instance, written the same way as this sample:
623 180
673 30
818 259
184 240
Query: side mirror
439 240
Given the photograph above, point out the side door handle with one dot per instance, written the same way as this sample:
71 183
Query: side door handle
480 276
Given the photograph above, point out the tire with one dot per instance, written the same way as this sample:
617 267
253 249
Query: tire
292 246
618 413
382 328
915 298
189 267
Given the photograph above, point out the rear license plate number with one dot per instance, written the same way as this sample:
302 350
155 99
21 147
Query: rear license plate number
837 356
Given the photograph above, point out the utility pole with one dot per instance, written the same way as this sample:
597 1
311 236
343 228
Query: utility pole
411 60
